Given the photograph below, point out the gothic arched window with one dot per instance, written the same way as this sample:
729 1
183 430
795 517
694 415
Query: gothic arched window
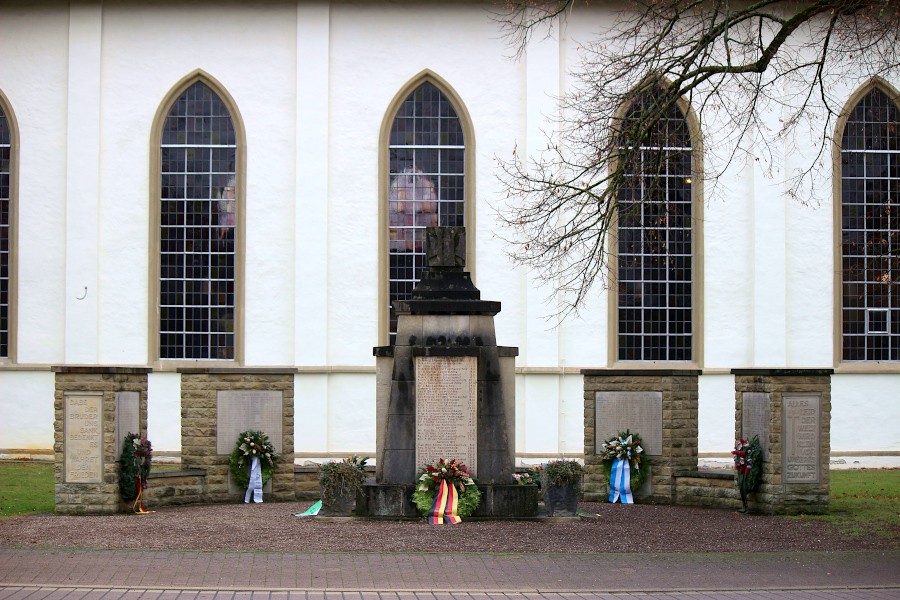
870 230
656 236
426 184
7 154
199 204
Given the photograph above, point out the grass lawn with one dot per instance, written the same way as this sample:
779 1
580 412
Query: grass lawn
864 501
25 487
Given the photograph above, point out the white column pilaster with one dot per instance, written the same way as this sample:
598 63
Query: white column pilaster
83 183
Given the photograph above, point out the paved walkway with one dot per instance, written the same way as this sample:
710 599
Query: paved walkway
167 575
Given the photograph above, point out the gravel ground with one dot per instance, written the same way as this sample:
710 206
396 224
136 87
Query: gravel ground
272 527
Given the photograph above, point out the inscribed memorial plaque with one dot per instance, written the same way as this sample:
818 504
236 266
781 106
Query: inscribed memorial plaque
84 438
447 409
639 412
755 415
242 410
802 452
127 417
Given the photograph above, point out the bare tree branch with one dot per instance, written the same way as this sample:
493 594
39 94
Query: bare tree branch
756 75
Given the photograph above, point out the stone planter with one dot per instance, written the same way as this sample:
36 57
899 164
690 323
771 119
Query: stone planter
342 506
561 501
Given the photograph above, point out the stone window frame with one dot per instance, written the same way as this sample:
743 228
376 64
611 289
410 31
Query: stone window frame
840 365
12 268
462 113
159 119
697 284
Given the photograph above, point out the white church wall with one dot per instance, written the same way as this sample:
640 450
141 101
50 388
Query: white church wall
33 76
312 100
164 411
27 421
865 412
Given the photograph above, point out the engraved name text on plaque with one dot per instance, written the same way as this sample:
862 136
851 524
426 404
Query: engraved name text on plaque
801 439
446 409
84 438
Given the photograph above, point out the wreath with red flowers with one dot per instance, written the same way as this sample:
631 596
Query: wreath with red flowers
454 473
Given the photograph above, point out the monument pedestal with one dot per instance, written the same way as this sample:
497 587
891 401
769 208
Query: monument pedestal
445 389
790 411
95 407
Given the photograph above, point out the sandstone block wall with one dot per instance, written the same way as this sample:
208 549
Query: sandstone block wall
775 494
92 498
199 389
680 401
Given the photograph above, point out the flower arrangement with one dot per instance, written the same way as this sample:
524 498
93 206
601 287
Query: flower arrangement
357 461
627 446
748 467
454 473
252 444
134 466
530 477
524 478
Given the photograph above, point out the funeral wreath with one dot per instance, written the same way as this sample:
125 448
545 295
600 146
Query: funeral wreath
454 473
134 466
252 444
748 467
625 446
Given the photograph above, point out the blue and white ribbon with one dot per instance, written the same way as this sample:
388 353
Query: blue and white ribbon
255 487
620 482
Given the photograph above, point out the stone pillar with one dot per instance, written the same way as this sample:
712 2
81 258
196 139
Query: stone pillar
790 411
95 407
217 405
661 406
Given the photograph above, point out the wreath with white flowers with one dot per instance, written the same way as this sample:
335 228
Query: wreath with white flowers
249 444
454 473
625 445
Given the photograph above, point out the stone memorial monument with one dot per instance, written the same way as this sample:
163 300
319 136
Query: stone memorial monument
790 411
446 390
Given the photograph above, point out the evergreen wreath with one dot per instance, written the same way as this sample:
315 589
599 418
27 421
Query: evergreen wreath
249 444
748 467
625 445
454 473
134 465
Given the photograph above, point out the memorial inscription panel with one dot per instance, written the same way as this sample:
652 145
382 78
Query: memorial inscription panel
242 410
84 438
640 412
755 415
447 409
802 452
128 418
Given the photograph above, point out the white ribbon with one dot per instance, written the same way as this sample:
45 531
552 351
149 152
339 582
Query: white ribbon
620 482
255 487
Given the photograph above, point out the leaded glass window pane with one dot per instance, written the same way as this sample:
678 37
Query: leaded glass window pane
655 243
870 231
5 231
198 210
426 185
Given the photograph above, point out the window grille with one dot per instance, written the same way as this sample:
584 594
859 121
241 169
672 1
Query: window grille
655 242
426 185
870 230
198 209
5 231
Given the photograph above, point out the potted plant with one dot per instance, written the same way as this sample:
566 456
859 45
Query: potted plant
341 482
562 487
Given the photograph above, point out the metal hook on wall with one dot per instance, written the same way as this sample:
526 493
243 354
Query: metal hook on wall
83 295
